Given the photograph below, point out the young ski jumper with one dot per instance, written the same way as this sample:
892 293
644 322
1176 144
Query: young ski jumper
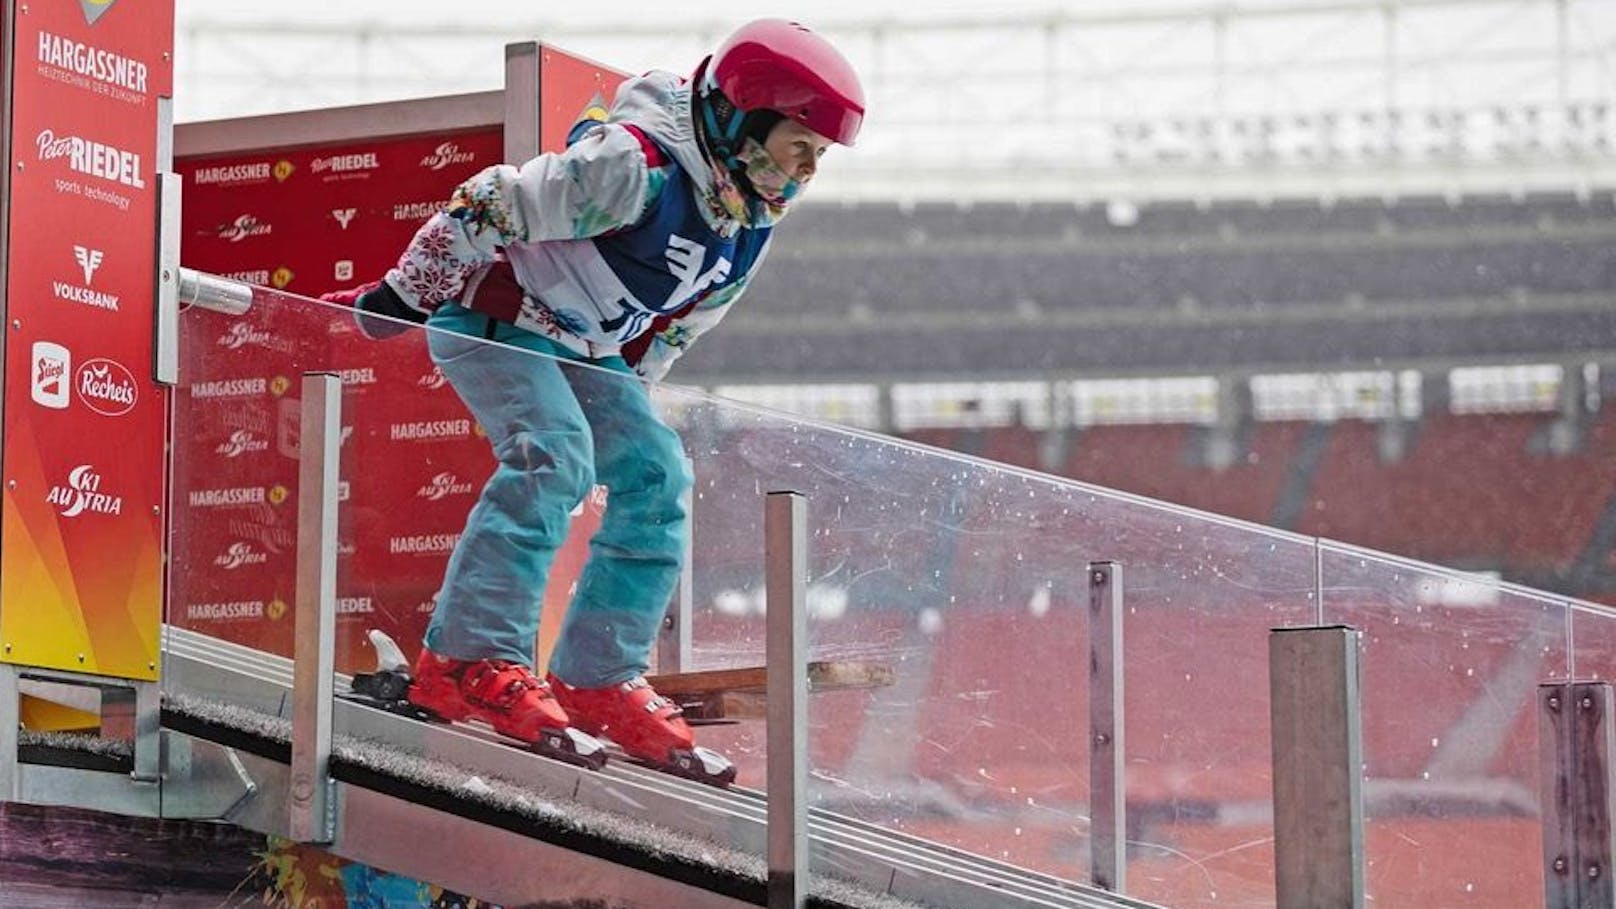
618 252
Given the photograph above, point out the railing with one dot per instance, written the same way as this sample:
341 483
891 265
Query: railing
970 581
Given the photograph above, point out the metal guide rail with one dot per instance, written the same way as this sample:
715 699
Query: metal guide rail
469 766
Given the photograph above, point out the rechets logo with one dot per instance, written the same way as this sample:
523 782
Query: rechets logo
243 227
51 366
240 554
443 486
447 154
82 494
107 387
241 442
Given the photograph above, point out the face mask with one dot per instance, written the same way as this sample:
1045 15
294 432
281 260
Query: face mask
769 180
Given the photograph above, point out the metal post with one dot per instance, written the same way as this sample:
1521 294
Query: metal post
166 327
10 724
315 627
673 642
1575 742
148 732
1108 820
1318 753
785 543
522 115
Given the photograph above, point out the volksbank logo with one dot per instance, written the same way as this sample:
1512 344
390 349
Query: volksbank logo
344 216
82 493
89 260
445 155
95 9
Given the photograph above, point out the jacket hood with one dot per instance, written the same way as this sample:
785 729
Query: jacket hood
659 103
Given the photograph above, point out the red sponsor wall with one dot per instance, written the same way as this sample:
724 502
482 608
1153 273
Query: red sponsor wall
308 220
84 422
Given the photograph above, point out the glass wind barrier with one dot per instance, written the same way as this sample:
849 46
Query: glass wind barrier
1449 669
948 600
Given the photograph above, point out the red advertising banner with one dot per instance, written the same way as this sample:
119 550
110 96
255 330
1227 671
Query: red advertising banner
308 220
83 459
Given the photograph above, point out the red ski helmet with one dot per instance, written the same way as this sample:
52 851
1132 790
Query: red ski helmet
775 64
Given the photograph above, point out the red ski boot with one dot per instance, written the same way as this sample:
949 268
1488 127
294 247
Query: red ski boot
506 696
647 726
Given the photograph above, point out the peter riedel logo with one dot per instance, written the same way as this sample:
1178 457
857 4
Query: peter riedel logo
95 9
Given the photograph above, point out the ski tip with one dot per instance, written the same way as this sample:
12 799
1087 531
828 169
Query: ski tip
389 657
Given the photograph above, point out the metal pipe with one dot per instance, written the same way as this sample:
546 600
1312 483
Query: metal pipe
1108 820
213 292
314 654
785 542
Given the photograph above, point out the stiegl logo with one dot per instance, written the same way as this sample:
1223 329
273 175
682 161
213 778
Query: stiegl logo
239 554
82 493
241 442
52 363
442 486
107 387
446 154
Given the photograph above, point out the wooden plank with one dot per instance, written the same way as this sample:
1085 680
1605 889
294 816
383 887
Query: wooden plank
715 695
826 675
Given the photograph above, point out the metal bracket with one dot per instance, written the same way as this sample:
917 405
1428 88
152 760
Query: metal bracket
1108 821
1576 740
314 663
785 541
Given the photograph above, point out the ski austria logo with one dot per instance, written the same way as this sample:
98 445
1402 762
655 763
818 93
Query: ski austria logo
433 380
106 387
240 554
442 486
82 493
51 366
243 227
445 155
242 334
94 9
242 441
